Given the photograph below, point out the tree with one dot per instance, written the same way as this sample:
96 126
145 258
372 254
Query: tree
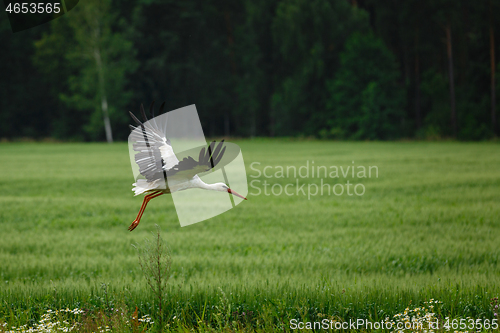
99 58
308 38
449 52
366 101
25 102
254 82
492 62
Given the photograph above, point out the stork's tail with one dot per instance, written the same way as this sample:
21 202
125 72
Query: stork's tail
142 186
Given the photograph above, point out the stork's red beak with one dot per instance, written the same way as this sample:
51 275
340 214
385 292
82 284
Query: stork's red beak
236 194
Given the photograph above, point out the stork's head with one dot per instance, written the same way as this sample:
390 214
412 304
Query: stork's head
224 188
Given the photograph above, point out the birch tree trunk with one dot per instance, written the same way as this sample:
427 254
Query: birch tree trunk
102 92
492 59
418 112
451 77
230 43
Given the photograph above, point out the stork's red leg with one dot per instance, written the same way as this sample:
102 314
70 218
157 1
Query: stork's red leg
143 207
145 202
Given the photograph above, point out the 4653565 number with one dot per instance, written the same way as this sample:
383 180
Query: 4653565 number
33 8
470 324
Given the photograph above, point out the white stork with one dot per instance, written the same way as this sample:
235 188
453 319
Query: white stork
157 163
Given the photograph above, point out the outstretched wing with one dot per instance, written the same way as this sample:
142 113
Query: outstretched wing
207 159
155 155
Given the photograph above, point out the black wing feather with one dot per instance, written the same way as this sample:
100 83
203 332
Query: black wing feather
202 155
218 158
135 118
208 159
144 113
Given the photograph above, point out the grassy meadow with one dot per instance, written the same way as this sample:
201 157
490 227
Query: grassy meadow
428 227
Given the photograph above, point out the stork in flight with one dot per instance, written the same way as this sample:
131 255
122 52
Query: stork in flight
157 163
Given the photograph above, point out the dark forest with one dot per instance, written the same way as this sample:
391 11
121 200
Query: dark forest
344 70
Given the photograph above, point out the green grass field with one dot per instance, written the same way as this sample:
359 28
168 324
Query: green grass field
427 227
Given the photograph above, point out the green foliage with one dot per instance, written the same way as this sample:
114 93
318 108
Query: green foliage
366 101
93 31
434 88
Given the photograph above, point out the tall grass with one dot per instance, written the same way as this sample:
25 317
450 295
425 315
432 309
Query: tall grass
426 227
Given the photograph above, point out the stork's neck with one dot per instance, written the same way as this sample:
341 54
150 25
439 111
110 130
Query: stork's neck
201 184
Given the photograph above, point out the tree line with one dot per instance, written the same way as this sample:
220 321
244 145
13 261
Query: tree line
333 69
